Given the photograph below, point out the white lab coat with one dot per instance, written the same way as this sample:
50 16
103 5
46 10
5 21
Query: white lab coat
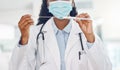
23 58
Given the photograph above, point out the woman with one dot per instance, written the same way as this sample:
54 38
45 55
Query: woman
26 20
64 44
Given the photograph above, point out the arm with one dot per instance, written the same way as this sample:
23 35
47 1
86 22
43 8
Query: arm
23 56
21 53
97 56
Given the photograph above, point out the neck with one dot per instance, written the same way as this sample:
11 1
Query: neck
61 23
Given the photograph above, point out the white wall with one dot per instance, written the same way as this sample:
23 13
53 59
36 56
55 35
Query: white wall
11 11
10 14
110 11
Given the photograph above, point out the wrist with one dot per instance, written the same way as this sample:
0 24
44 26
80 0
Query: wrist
23 40
90 38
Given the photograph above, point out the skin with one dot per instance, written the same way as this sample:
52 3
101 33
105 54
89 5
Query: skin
86 25
24 25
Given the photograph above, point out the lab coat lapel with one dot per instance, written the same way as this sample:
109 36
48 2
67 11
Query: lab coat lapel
51 42
73 37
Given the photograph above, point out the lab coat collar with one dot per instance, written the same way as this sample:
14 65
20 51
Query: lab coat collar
51 42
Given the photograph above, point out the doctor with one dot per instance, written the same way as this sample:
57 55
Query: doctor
64 44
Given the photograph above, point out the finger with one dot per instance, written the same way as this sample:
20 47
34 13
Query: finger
83 15
23 22
29 22
87 15
27 26
26 16
23 19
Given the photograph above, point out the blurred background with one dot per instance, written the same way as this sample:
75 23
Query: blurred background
106 15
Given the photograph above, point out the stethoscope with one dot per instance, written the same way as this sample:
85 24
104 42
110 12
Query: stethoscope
42 49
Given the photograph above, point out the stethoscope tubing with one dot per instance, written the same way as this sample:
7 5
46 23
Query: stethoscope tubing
43 38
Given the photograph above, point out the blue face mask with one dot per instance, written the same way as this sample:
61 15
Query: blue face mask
60 9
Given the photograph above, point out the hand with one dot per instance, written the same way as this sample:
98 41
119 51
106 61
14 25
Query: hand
86 27
24 25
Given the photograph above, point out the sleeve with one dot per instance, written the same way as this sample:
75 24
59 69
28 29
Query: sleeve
23 56
17 57
89 45
97 56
